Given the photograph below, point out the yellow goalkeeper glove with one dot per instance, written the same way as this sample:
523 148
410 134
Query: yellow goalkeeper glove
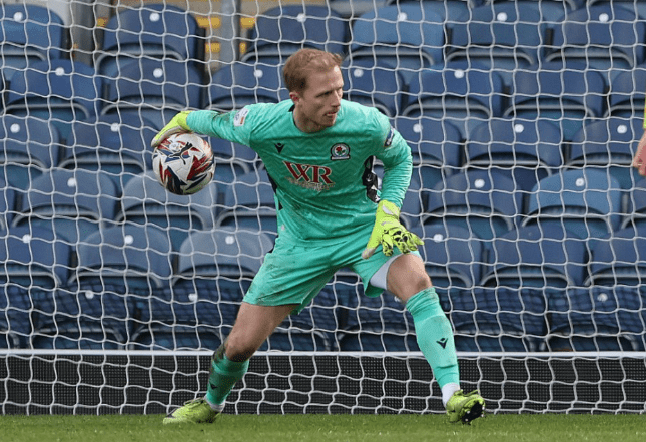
176 125
389 232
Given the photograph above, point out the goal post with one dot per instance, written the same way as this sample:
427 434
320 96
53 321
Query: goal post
114 293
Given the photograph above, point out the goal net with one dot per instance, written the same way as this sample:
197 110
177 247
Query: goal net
523 119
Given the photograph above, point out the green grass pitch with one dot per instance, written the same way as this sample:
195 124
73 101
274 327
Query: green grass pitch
322 428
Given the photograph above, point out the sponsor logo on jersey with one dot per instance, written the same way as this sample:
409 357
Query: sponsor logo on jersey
310 176
390 137
238 119
279 147
340 151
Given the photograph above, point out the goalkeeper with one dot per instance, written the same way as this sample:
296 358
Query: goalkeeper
318 151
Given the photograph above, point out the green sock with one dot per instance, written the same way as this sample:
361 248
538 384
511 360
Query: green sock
223 376
435 336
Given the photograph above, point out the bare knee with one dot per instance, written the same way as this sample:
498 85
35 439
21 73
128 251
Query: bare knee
239 350
252 327
407 276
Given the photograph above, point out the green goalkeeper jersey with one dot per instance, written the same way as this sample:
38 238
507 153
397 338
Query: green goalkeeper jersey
322 181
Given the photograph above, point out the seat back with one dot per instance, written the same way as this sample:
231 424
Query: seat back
156 30
374 85
609 144
607 36
129 258
587 201
464 93
485 201
526 151
28 33
235 85
58 89
282 30
407 36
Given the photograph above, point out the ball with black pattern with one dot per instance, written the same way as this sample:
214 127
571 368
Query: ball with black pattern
183 163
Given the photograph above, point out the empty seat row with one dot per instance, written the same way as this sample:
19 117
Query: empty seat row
532 148
149 92
549 253
76 202
340 318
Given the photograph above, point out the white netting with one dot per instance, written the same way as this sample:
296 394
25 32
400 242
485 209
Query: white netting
523 118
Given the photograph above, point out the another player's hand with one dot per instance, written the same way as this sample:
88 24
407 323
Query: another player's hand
639 162
176 125
389 233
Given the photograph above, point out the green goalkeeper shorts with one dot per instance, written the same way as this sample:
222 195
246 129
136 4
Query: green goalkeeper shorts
296 271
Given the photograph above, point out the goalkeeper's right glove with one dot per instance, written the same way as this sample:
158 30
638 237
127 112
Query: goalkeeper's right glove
389 233
176 125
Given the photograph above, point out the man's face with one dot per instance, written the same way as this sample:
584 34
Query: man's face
317 106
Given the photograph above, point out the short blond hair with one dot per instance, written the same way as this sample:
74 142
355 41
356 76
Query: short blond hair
303 62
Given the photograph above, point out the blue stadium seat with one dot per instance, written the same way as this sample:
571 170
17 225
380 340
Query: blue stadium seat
30 146
608 144
449 11
626 96
634 6
551 10
407 36
526 151
484 201
619 259
597 319
73 203
436 146
282 30
28 33
34 258
375 85
179 319
377 324
235 85
35 264
94 318
111 145
603 36
499 319
586 201
153 89
214 270
221 253
569 94
502 36
15 320
58 90
145 202
636 207
465 94
453 257
544 257
249 205
156 30
128 259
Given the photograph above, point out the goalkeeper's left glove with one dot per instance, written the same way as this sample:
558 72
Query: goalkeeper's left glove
176 125
389 232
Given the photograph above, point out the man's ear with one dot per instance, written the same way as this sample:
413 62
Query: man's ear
294 97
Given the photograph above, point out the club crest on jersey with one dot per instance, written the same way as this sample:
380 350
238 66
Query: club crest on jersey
340 151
